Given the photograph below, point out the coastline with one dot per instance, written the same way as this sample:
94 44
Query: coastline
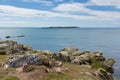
64 58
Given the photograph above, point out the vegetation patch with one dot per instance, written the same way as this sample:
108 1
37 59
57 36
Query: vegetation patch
13 78
56 76
2 52
3 58
7 77
28 68
96 64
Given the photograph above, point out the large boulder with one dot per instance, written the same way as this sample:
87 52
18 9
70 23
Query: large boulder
13 47
65 54
20 60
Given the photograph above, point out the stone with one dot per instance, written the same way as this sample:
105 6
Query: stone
102 74
19 60
108 64
76 53
13 47
63 53
70 49
58 70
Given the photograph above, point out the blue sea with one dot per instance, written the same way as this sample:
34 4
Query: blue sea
106 40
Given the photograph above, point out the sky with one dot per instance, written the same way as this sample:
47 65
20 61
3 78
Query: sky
45 13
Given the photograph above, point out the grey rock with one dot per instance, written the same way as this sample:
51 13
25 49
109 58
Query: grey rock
102 74
19 60
13 47
109 65
70 49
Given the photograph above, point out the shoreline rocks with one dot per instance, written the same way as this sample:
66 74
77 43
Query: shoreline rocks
20 55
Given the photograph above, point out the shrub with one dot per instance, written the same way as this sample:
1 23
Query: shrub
28 69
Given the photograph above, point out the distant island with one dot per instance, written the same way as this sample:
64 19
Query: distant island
61 27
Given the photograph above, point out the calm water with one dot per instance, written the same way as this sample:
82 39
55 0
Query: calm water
103 39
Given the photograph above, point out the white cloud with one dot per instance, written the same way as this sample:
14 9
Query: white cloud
6 10
79 7
71 7
44 2
58 0
115 3
9 14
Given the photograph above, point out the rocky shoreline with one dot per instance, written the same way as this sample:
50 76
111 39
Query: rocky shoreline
66 64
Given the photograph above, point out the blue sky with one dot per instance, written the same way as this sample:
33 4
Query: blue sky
44 13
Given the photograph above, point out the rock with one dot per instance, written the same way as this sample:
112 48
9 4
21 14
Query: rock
8 37
47 52
109 65
42 52
102 74
70 49
81 60
76 53
54 63
63 53
75 61
58 70
59 63
19 60
98 53
61 57
12 47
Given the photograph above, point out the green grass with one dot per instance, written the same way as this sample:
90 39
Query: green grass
12 78
2 51
28 69
96 64
7 77
3 58
56 76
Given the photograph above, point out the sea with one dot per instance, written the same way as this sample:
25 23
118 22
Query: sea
106 40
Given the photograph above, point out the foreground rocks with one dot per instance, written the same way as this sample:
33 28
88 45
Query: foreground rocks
21 60
76 65
95 59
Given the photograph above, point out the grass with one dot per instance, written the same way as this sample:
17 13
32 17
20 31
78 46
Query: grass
6 77
12 78
3 57
96 64
75 72
56 76
2 51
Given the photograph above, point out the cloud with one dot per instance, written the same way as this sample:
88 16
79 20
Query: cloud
44 2
58 0
81 8
6 11
115 3
70 7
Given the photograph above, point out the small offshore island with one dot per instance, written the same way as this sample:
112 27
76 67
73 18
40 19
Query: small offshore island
61 27
21 62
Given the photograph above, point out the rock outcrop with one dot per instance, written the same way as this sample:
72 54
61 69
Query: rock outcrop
13 47
93 65
96 59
